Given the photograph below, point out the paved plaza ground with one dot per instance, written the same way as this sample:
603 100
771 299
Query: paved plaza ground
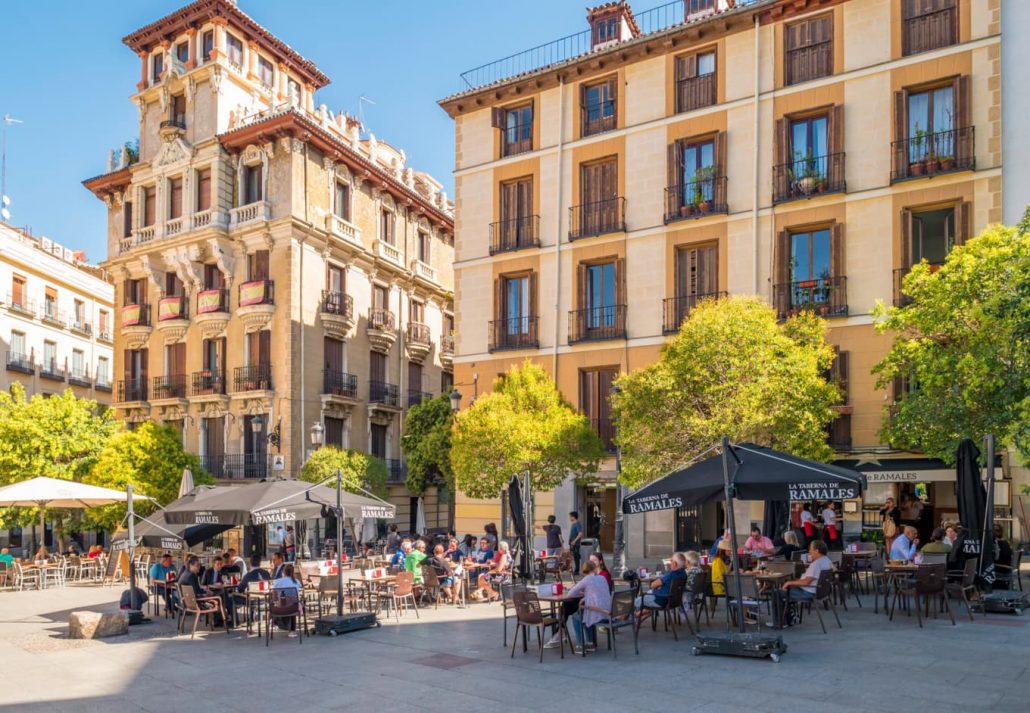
453 660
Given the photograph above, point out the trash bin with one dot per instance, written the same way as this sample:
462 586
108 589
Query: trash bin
587 547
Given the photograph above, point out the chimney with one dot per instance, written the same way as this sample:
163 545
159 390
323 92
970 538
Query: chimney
611 24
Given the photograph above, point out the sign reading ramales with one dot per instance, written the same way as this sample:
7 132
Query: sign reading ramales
821 491
265 517
654 502
377 511
207 518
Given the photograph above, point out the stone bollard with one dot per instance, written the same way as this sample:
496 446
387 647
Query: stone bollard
97 624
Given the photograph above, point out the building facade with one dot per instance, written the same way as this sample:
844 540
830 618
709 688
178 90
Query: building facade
274 268
808 152
58 319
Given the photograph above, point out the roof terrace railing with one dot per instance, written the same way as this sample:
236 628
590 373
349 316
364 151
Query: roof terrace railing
569 47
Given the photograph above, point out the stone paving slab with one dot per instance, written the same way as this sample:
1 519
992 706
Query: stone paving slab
452 660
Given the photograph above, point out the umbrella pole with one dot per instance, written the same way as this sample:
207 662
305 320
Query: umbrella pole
733 530
988 507
42 525
339 543
133 604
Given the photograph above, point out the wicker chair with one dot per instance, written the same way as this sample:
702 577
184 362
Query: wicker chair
528 614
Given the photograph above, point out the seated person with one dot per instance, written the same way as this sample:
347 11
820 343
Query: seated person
790 545
468 545
453 551
401 554
715 545
661 587
485 553
288 581
442 568
602 569
413 560
936 543
233 563
277 565
803 589
191 578
5 556
159 573
720 566
42 554
254 574
597 599
499 573
211 580
905 545
1004 557
758 544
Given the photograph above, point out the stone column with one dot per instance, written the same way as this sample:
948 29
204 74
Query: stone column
280 81
309 97
219 49
144 61
191 43
251 59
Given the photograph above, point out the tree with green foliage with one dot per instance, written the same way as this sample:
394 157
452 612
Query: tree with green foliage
151 459
962 347
732 370
522 426
360 471
426 443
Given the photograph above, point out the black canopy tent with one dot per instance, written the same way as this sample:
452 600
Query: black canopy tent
746 472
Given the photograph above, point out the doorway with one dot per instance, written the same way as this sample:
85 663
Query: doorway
600 517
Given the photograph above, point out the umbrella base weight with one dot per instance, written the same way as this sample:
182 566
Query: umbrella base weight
732 643
335 625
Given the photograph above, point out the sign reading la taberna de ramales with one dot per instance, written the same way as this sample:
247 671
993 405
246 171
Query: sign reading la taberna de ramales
821 491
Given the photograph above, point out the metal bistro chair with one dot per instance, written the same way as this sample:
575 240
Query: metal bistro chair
670 612
935 558
528 614
930 581
847 577
508 603
1006 574
751 606
697 599
823 597
620 614
964 587
285 603
566 565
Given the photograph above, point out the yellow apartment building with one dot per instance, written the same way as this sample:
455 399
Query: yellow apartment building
808 151
274 267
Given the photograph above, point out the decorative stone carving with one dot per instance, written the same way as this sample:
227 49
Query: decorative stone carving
151 274
136 336
216 79
173 151
223 259
255 317
380 415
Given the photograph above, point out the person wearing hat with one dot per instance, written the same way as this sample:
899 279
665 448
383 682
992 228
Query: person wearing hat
720 566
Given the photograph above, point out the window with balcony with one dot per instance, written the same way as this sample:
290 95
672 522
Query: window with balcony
127 219
103 373
516 126
255 447
234 50
417 392
50 304
598 107
380 390
157 67
334 431
173 384
18 294
257 265
601 209
203 189
810 272
211 378
810 154
929 234
341 204
182 51
18 357
697 186
377 440
423 246
134 385
149 206
696 278
386 222
928 25
177 110
517 228
207 42
446 382
50 366
839 429
516 324
252 184
257 374
602 301
933 129
212 431
808 50
266 74
595 386
79 316
175 198
334 279
696 81
104 325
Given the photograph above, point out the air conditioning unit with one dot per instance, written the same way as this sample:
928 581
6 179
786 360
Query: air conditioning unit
45 242
57 250
69 255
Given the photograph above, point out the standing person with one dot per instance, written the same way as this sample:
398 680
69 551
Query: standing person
280 533
490 533
393 540
291 544
830 535
596 596
575 537
890 518
554 538
808 522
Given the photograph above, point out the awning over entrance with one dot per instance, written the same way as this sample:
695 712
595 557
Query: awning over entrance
901 470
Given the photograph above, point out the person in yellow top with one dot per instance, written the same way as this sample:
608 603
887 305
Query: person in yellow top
720 566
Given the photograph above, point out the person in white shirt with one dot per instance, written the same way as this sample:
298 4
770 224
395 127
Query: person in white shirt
803 589
829 516
808 522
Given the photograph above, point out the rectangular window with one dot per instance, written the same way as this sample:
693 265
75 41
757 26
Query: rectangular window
78 363
696 173
598 107
446 382
80 313
18 291
600 209
213 277
182 51
516 125
334 431
214 443
255 446
50 357
600 294
808 50
149 206
333 351
931 123
415 386
517 228
416 312
697 271
695 81
334 279
234 51
932 236
377 367
213 361
517 308
605 30
175 359
208 44
204 189
50 303
127 219
257 265
103 371
809 272
157 66
423 246
259 348
341 206
595 386
178 107
134 291
379 297
173 285
252 184
175 198
386 226
810 255
378 440
105 327
928 25
265 72
18 345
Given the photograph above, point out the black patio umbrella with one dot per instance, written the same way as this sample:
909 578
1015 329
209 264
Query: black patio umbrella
973 511
155 531
761 474
517 508
776 518
271 501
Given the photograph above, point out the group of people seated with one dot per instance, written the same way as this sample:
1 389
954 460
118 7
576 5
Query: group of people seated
450 563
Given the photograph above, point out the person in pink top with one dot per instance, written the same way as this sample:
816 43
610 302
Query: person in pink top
758 544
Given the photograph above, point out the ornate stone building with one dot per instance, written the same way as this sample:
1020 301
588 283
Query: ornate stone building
273 268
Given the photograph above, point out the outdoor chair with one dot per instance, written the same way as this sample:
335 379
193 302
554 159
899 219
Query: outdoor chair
964 587
74 570
566 565
284 604
696 602
620 614
54 574
929 581
431 586
528 614
402 592
23 577
670 612
1004 574
508 604
844 584
823 598
751 606
835 556
797 555
935 558
880 580
6 575
205 607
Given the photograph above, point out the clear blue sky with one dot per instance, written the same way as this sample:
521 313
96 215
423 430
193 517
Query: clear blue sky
66 74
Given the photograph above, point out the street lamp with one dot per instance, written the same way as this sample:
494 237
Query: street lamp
317 435
619 557
257 425
455 401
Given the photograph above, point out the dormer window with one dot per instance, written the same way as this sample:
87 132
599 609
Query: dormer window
157 66
234 47
606 30
696 9
611 23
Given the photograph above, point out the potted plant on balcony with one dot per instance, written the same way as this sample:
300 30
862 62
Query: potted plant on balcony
932 163
696 196
947 162
704 180
916 156
810 174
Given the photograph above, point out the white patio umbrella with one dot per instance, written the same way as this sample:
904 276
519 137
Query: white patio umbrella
420 518
45 492
186 484
368 530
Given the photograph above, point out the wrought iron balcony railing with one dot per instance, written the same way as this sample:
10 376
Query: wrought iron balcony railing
808 176
826 296
339 383
931 154
381 392
254 377
696 199
597 218
207 383
596 323
132 390
338 303
172 386
513 333
381 319
676 309
515 234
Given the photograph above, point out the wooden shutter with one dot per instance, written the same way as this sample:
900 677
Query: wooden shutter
841 374
524 194
900 133
204 189
837 253
587 389
963 220
581 286
333 349
835 128
583 113
719 188
414 376
605 377
499 298
780 177
265 347
609 179
143 353
509 203
498 117
532 309
781 259
620 281
906 238
675 165
377 367
613 97
708 270
964 149
127 364
214 442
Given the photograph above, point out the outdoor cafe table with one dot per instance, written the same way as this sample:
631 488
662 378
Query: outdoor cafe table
772 582
42 569
556 601
541 565
162 589
260 597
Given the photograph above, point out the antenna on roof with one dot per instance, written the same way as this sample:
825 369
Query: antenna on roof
362 100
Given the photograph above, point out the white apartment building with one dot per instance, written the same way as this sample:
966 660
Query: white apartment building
56 320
